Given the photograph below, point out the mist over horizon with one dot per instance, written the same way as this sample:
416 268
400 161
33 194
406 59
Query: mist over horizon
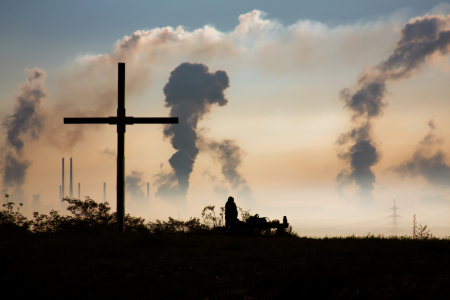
324 123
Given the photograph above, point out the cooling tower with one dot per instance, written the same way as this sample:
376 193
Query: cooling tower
71 182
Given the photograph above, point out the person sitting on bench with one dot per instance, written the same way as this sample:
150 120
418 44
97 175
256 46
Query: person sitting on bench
231 214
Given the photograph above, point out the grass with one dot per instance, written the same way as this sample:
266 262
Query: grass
82 256
219 266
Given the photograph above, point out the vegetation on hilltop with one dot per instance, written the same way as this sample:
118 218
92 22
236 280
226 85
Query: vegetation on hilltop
90 216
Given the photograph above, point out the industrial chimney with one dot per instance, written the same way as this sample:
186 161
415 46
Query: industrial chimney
62 185
104 192
71 182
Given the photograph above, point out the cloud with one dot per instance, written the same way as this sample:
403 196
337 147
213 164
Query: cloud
229 154
427 161
436 200
221 190
257 42
108 153
133 186
86 87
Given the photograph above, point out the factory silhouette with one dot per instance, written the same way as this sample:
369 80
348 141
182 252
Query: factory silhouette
62 206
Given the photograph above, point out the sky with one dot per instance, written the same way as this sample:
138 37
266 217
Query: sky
322 111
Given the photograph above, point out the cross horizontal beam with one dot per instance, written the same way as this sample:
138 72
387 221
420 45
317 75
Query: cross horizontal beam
126 120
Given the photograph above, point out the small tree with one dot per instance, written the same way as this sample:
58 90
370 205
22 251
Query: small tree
208 214
245 214
419 231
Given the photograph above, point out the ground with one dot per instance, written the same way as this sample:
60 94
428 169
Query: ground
219 266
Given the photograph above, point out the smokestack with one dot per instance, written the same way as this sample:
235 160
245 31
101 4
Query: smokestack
104 192
71 177
79 191
148 190
62 190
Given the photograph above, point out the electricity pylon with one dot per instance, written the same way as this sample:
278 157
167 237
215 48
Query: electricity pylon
394 216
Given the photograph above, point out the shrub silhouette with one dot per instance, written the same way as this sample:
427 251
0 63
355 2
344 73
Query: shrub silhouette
13 221
176 226
208 214
89 216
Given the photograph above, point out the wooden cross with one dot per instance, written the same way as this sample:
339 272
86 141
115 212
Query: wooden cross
121 120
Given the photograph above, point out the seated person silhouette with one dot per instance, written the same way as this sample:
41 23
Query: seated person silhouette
231 213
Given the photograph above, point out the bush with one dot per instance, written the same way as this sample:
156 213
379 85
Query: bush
89 216
13 221
208 214
176 226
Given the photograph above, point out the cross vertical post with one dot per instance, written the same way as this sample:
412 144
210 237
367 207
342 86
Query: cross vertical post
121 120
121 149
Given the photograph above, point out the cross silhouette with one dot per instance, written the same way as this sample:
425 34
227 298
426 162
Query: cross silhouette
121 120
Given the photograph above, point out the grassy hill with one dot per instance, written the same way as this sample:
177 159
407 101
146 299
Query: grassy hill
220 266
205 264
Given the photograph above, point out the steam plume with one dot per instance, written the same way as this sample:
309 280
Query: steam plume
420 39
14 171
27 120
190 93
229 155
133 186
427 161
88 88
